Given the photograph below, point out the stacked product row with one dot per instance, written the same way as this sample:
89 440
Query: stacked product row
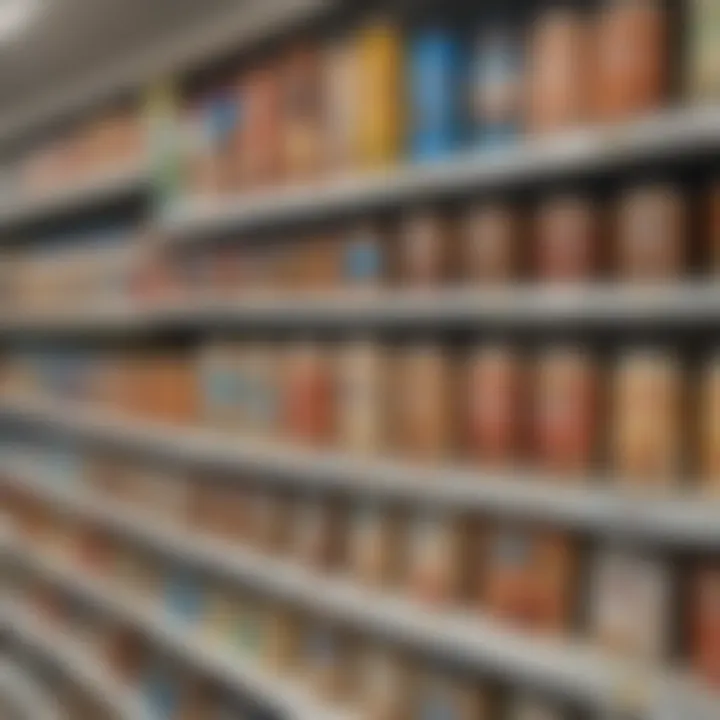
652 233
165 688
649 233
384 91
93 268
533 578
115 139
528 582
640 415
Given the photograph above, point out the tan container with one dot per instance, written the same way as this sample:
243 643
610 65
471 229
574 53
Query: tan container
376 538
490 245
567 237
632 60
427 250
709 427
341 82
424 420
436 562
566 422
303 116
559 70
495 421
387 686
704 50
647 420
362 396
629 605
651 234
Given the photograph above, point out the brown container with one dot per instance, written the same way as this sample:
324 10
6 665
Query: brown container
559 70
427 250
632 60
303 131
329 662
270 520
318 264
320 539
713 220
424 420
376 537
436 561
565 417
647 420
282 640
651 234
362 397
705 624
452 698
495 422
309 395
528 577
260 144
709 401
489 237
567 237
629 605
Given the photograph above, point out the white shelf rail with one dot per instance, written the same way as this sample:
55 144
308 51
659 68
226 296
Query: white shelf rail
30 629
674 518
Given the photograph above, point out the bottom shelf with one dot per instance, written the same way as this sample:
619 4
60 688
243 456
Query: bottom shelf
67 655
23 696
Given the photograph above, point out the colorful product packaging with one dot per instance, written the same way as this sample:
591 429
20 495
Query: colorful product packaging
435 93
496 88
632 66
380 93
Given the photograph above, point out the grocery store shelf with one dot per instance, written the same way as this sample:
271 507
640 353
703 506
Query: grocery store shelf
71 659
571 672
229 668
605 304
681 520
586 151
28 700
562 668
219 34
101 188
608 306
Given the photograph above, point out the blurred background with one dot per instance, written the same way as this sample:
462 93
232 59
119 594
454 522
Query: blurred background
359 360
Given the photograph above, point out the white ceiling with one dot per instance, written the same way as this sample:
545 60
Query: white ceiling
73 38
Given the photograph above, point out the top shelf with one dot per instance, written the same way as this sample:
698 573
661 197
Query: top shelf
670 135
96 190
